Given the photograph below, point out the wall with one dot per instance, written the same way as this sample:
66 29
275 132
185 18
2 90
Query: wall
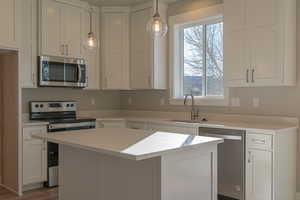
102 99
279 101
10 120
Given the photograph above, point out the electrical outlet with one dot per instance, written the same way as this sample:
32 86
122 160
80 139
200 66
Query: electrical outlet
93 101
162 101
255 102
129 100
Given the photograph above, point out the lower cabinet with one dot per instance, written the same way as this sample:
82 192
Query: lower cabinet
111 124
271 165
34 156
259 174
174 128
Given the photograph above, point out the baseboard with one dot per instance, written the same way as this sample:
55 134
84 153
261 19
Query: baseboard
9 189
298 196
32 187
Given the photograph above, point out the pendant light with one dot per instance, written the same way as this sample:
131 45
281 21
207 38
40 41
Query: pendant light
156 26
92 42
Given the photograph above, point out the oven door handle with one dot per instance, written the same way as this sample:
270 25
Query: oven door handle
79 73
225 137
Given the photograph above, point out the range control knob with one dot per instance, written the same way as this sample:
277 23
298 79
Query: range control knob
41 106
68 105
72 105
36 105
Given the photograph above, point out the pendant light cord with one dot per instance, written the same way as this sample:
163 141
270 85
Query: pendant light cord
91 20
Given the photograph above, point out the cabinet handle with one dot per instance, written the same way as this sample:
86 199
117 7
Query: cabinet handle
252 75
247 76
249 156
258 141
33 77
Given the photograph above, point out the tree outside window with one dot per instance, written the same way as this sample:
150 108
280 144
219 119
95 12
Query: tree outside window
203 60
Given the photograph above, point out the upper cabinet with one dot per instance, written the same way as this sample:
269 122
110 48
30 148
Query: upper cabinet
61 29
147 55
259 43
138 64
115 47
10 16
28 50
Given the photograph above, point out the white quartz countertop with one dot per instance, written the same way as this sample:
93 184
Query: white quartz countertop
249 125
129 143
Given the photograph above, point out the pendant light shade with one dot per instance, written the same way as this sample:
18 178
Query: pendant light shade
92 42
156 26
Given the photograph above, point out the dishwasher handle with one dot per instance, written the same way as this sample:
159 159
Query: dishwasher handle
225 137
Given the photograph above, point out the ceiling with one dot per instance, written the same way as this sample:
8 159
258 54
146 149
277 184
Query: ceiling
120 2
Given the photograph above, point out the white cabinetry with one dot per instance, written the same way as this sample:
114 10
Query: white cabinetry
115 47
10 16
148 55
92 57
34 156
174 128
271 165
111 124
259 42
60 29
28 52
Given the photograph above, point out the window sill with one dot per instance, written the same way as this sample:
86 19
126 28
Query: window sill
202 101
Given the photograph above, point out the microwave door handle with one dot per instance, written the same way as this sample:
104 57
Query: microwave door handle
79 73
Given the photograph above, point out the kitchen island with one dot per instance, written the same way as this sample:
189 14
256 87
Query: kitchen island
128 164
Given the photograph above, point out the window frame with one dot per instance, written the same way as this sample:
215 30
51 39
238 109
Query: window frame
204 16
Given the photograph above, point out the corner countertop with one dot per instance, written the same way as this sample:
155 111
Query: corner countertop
129 143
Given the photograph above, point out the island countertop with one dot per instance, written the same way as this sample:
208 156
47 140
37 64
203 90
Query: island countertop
129 143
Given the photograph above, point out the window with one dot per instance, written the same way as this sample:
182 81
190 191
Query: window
197 60
202 58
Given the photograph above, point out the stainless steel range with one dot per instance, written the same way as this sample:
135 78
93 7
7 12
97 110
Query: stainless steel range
62 116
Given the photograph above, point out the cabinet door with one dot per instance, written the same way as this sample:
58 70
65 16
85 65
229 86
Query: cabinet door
9 16
259 175
51 28
28 53
115 50
34 156
140 66
261 13
265 57
92 57
234 15
72 30
236 59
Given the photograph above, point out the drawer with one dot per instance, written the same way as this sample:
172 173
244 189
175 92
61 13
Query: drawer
29 131
259 141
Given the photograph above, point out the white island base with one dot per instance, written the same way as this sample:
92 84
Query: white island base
127 164
186 175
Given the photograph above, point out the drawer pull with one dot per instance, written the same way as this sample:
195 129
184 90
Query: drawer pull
258 141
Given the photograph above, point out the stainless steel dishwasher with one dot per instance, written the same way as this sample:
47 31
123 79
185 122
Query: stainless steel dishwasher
231 162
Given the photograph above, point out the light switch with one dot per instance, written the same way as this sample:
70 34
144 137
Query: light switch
235 102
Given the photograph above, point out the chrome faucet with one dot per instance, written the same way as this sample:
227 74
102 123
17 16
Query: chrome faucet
194 111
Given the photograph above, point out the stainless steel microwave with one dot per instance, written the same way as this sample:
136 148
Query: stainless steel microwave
62 72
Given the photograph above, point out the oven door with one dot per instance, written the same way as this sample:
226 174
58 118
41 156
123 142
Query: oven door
62 72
